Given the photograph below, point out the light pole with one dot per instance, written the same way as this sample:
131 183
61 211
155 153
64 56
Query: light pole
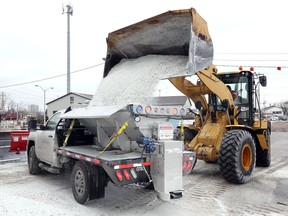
44 91
69 11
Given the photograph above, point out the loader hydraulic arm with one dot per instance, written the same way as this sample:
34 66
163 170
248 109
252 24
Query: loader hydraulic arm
209 84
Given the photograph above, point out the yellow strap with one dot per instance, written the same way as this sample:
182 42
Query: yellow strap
182 130
113 138
69 132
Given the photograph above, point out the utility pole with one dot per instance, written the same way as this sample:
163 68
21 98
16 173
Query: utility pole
69 11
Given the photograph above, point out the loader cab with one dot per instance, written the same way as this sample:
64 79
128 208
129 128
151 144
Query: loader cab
241 84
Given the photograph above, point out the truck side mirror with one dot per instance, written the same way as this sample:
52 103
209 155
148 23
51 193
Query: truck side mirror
263 80
32 124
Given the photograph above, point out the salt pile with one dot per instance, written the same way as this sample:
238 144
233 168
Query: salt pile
133 80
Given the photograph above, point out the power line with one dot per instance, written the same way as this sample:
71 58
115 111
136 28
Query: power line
251 53
267 60
259 66
47 78
87 68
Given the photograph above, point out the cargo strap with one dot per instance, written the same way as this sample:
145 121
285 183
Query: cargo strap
182 131
113 138
69 132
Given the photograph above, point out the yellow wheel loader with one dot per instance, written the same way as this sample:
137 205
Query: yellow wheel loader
227 130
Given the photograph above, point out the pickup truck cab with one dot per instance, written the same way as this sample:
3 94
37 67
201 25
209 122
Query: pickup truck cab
42 144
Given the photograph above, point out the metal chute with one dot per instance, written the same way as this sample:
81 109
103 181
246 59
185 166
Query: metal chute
177 32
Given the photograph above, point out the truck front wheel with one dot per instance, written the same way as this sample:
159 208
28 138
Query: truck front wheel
80 183
33 162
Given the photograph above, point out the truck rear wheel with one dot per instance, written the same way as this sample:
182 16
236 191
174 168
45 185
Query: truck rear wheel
237 156
263 157
80 183
33 162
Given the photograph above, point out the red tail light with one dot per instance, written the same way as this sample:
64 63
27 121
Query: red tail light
189 166
126 174
119 176
184 167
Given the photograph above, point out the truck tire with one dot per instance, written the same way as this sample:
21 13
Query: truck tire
80 183
237 156
33 162
263 157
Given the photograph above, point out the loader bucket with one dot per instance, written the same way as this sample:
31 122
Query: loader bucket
177 32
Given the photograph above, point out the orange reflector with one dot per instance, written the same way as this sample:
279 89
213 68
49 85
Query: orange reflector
119 176
148 109
126 174
175 111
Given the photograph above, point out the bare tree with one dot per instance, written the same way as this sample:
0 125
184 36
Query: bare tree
284 107
11 106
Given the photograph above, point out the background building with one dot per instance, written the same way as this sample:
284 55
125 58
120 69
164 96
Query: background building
65 101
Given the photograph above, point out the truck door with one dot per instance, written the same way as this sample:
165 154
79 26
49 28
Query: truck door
46 140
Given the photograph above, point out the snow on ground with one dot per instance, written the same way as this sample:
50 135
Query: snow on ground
205 193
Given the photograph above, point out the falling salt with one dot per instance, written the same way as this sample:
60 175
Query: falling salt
133 80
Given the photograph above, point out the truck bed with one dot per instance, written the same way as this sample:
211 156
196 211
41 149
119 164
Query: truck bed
108 155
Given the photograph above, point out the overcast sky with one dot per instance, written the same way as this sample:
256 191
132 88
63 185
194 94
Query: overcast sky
33 41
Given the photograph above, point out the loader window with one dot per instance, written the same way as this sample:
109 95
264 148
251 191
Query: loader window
241 93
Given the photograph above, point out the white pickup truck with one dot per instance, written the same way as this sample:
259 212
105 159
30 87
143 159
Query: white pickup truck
137 150
125 135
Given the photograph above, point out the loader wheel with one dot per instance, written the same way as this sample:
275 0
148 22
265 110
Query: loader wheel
33 162
237 156
80 183
263 157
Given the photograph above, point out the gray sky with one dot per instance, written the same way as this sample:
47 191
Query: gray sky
33 39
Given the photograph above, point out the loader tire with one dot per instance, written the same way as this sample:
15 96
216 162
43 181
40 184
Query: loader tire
33 162
263 157
80 183
237 156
